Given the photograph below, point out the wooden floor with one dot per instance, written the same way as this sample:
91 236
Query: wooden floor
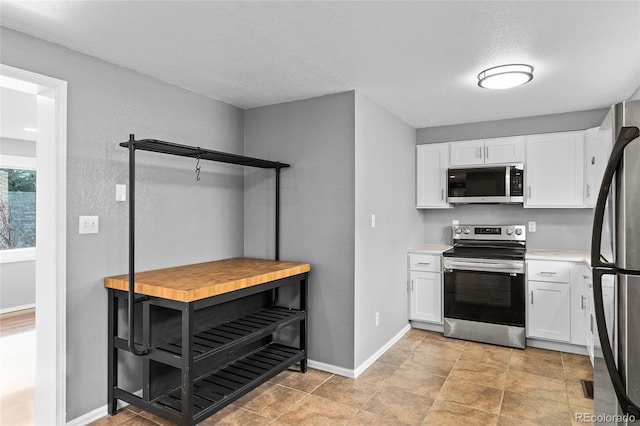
17 367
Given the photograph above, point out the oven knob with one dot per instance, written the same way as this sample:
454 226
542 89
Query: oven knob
458 230
509 231
467 230
518 231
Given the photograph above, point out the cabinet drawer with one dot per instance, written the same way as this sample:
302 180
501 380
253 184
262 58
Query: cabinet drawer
549 271
583 276
424 262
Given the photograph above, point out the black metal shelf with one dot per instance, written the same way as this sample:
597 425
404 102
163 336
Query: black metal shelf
171 148
220 388
226 336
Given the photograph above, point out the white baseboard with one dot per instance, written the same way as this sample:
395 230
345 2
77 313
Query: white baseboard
359 370
17 308
346 372
428 326
98 413
557 346
329 368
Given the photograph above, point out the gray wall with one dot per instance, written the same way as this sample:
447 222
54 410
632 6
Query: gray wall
385 186
567 229
179 220
17 279
315 136
17 284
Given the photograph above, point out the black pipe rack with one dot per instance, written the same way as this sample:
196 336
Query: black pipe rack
254 329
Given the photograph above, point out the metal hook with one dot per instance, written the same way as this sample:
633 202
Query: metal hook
198 166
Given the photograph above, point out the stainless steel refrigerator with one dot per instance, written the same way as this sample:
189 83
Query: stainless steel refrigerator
617 217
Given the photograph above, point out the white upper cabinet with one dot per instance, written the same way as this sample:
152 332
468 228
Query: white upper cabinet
554 170
598 145
504 150
432 161
479 152
467 153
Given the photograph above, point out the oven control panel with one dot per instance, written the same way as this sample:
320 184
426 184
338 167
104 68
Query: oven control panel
489 232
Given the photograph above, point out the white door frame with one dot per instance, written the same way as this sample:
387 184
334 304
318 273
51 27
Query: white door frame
51 250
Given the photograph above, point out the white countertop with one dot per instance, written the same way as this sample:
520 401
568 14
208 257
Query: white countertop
564 255
532 254
428 249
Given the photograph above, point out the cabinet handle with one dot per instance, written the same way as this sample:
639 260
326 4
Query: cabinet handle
593 160
529 191
479 152
588 190
424 263
532 297
591 322
441 194
548 273
582 302
411 285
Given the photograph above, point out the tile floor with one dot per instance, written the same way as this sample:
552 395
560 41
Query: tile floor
424 379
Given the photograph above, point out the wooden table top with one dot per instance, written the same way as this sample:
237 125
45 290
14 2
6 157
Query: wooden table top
194 282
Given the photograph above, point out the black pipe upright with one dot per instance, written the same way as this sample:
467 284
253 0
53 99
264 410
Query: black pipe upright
277 213
132 239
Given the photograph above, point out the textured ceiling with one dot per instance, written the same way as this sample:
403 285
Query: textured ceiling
417 59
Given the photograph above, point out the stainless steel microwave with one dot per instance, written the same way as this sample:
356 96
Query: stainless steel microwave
501 184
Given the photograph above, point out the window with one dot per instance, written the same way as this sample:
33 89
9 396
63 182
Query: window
17 209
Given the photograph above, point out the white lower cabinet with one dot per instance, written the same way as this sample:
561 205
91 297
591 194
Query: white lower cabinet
549 311
580 299
425 288
560 302
426 296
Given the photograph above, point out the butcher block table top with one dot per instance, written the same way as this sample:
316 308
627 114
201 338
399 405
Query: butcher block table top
189 283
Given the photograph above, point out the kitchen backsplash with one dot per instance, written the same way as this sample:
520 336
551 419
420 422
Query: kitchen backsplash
561 229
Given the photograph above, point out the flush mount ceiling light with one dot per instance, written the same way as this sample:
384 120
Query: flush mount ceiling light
505 76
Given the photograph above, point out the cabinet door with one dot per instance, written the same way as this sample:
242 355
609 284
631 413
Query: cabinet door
432 161
554 172
589 330
426 296
597 149
467 153
580 287
504 150
549 310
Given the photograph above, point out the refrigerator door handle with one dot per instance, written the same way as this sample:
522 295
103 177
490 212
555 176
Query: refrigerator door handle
626 135
628 407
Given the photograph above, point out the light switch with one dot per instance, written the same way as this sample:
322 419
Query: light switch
532 226
88 225
121 192
373 220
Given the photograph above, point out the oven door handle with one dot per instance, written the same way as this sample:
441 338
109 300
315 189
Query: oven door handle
485 266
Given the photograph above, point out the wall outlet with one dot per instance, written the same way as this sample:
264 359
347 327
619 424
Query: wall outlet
455 222
88 225
373 220
121 192
377 319
532 226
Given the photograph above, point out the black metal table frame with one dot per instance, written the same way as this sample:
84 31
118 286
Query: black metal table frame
186 361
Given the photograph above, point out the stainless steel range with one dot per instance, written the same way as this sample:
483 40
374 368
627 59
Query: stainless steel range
484 284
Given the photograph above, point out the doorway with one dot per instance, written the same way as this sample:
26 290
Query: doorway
50 269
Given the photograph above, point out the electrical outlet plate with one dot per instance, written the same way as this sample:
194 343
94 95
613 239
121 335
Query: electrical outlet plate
88 225
121 192
532 226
